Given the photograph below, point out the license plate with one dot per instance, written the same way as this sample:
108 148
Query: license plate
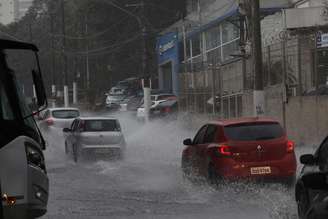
260 170
101 151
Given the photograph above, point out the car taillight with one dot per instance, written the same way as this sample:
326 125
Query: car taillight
50 122
290 146
224 150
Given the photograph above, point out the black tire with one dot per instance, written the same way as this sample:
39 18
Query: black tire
213 177
186 168
75 154
303 202
66 148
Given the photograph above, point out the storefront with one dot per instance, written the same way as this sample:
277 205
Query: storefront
168 62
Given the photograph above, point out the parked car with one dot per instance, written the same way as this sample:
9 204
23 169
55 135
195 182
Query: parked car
114 101
58 117
246 148
317 207
93 137
141 109
316 163
156 99
163 96
165 109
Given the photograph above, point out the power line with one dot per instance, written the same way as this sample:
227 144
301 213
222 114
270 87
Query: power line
101 50
93 35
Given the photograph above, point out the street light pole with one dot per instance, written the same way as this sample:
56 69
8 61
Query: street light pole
66 97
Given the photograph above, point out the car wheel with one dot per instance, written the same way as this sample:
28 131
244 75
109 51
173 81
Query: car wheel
213 177
302 202
75 153
66 148
186 168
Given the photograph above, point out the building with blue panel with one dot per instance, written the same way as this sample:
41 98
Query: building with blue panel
168 62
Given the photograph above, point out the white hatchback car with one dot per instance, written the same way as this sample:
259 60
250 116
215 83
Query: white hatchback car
93 137
58 117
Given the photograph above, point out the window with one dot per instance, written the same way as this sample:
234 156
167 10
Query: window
101 126
74 124
230 32
230 49
199 138
213 38
254 131
196 49
6 112
65 114
210 134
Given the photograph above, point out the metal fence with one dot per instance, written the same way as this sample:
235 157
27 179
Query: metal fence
291 67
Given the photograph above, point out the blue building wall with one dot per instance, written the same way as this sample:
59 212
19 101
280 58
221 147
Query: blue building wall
168 52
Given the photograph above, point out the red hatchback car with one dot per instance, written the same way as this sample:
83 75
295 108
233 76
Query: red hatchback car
250 148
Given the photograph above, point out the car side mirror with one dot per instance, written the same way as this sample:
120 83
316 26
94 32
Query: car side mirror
66 130
316 181
188 142
308 159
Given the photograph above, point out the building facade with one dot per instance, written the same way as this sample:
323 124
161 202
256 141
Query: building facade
208 50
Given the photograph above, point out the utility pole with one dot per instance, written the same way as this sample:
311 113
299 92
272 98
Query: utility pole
87 52
66 97
144 60
53 86
259 104
145 67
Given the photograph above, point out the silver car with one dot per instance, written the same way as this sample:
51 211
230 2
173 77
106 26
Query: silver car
58 117
94 137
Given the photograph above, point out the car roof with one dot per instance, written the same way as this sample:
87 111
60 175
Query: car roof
63 108
228 122
96 118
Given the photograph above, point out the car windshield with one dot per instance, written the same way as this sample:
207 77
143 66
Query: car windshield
253 131
65 114
101 126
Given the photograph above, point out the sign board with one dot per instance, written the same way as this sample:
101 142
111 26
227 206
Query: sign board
306 17
322 40
167 47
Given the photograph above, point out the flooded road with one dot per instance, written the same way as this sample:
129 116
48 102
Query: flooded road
148 183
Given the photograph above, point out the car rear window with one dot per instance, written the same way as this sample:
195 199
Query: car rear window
254 131
101 126
65 114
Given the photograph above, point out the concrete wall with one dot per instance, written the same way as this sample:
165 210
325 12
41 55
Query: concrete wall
307 120
306 116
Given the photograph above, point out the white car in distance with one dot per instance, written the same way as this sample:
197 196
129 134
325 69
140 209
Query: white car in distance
58 117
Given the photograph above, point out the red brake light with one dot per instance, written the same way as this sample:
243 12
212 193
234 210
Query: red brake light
290 146
50 121
225 150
